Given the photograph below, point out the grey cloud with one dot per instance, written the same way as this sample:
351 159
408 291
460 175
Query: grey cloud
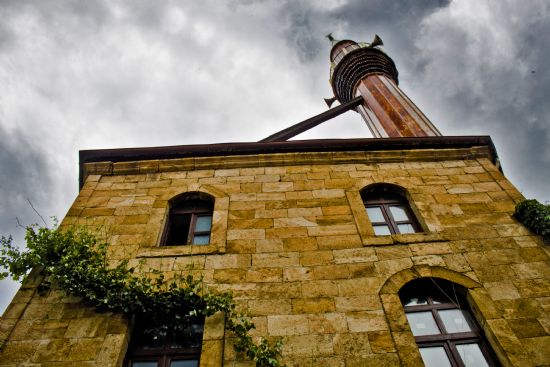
397 21
25 177
106 74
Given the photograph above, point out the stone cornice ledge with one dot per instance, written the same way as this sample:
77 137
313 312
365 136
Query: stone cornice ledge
401 239
283 159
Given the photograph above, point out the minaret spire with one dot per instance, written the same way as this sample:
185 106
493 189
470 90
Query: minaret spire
362 69
331 39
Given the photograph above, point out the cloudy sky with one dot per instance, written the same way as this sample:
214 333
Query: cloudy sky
109 74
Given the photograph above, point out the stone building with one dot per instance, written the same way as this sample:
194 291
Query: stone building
389 251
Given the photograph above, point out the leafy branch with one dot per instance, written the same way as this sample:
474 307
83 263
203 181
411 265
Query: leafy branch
75 260
535 216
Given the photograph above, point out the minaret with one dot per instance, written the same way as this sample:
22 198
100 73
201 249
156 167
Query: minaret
361 69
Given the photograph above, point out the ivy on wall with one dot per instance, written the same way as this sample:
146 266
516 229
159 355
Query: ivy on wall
535 216
75 260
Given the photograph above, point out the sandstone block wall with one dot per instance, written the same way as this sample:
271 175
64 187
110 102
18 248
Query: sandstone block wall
292 241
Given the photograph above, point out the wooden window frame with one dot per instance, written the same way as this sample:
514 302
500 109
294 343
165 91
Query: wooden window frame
449 341
194 207
163 354
384 201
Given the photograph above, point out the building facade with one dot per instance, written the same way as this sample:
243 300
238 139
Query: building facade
398 250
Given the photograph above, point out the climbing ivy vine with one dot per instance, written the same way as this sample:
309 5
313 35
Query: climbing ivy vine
535 216
75 260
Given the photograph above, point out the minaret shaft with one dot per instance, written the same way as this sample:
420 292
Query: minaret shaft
388 112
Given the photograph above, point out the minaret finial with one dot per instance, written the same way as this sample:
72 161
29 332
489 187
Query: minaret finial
331 39
377 41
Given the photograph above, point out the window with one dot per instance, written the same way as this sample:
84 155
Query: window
165 346
388 210
190 220
444 329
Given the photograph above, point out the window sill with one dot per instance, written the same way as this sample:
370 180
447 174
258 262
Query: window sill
186 250
396 239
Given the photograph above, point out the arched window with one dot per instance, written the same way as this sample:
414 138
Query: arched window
388 210
165 346
443 326
190 220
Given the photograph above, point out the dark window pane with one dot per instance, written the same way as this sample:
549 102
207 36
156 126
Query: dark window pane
471 355
186 363
203 223
188 337
434 357
201 240
375 214
144 364
399 213
422 323
415 301
454 321
179 229
405 228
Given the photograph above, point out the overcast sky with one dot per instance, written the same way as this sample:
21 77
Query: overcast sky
109 74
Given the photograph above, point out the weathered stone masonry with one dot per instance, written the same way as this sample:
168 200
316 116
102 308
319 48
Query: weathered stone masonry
292 241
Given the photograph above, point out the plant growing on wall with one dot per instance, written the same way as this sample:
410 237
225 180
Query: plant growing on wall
535 216
75 260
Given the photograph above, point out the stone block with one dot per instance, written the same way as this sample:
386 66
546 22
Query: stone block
364 321
312 305
284 325
276 260
263 275
355 255
502 290
327 323
212 353
229 275
85 349
257 223
336 210
305 212
328 193
357 303
299 346
509 342
321 257
271 213
282 232
530 270
339 242
351 287
19 352
271 196
294 222
265 307
246 234
279 290
431 260
88 327
228 261
331 272
277 186
393 252
537 349
297 274
519 308
352 344
319 288
299 244
527 327
332 230
381 342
